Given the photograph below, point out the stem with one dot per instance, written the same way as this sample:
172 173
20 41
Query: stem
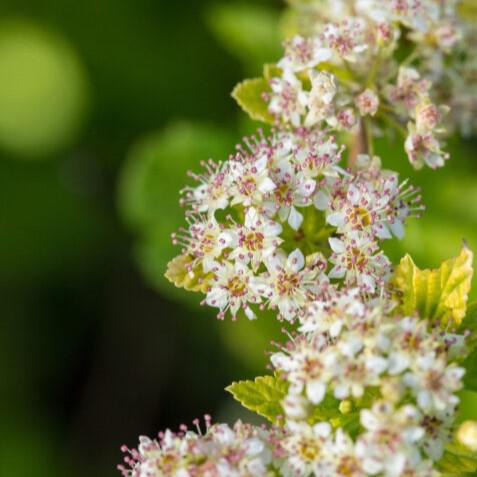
373 70
410 58
369 136
359 144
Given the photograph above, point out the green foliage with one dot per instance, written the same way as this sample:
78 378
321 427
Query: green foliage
248 31
457 460
327 410
470 323
468 9
148 191
438 293
263 396
43 115
249 96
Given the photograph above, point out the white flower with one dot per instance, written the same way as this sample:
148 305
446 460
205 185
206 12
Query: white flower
347 39
290 284
205 240
323 91
424 149
354 370
293 189
388 444
287 100
234 286
434 382
410 340
367 103
344 458
304 365
329 316
257 239
359 261
318 157
303 53
251 181
223 451
304 446
213 192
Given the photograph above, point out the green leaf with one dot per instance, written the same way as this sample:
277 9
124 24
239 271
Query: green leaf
457 460
439 294
468 10
179 274
327 410
263 396
249 96
470 323
150 180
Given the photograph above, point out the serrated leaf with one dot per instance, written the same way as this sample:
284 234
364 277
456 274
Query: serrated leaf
249 96
263 395
440 293
457 460
179 273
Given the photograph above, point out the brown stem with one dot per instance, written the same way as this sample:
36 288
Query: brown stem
359 145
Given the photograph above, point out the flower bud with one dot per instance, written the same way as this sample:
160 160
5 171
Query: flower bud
467 434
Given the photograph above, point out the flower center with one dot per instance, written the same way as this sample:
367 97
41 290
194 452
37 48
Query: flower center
252 241
237 287
309 449
287 283
359 217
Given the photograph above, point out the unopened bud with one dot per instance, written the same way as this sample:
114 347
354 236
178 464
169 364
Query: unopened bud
345 406
467 434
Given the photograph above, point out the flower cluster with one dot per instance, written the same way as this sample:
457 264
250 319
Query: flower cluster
291 221
345 76
356 352
365 387
239 451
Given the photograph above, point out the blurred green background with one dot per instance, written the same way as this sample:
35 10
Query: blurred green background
104 106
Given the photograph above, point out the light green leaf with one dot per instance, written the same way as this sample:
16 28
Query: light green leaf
179 274
440 293
263 396
249 96
468 10
457 460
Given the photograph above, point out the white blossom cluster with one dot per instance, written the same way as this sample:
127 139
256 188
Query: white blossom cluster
345 72
279 220
239 451
399 370
283 225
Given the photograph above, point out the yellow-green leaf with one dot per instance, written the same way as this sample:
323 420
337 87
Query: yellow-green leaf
457 460
178 272
468 10
249 96
263 395
439 293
